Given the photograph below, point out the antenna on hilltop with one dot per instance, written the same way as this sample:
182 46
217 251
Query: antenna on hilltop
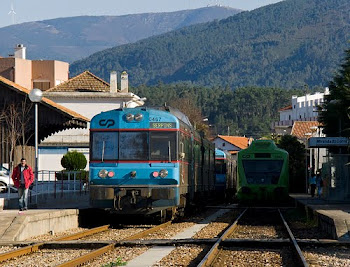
13 14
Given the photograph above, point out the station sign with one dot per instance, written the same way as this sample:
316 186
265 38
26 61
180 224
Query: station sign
328 141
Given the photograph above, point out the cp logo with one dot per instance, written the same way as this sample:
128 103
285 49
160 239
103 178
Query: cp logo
108 123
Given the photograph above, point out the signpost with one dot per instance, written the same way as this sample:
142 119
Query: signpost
328 142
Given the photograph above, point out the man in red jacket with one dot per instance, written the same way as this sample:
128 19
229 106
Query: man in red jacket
23 177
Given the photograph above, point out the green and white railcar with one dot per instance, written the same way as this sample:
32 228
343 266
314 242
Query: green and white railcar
262 173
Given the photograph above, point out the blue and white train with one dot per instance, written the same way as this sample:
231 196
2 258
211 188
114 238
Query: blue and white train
146 160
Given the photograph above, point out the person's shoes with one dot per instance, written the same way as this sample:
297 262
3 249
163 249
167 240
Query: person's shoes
25 209
20 209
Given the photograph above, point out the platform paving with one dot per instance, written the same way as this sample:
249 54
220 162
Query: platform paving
333 216
157 253
19 226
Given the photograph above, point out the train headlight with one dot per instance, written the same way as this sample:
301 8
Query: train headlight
155 174
129 117
102 173
111 174
138 117
133 174
163 173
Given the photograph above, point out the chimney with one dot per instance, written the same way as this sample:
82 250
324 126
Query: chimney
124 82
20 51
113 82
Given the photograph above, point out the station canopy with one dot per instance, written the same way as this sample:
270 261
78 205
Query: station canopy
52 116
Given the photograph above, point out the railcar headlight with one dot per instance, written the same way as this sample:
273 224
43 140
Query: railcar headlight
129 117
133 174
111 174
155 174
138 117
163 173
102 173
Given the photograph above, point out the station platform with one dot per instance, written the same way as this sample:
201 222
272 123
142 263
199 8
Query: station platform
19 226
333 217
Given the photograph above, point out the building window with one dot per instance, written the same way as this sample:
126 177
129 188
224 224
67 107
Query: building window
316 102
299 116
43 86
294 106
289 117
223 144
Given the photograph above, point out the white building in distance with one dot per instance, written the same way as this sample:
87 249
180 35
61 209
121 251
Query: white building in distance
303 108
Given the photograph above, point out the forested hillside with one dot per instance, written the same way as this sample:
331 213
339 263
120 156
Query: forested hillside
285 45
245 111
74 38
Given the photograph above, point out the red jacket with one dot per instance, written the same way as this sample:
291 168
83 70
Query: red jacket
27 173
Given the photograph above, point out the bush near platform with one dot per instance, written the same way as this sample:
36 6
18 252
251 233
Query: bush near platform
74 161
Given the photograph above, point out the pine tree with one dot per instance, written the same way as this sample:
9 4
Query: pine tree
334 113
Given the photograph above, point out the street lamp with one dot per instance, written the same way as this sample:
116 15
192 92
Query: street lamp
35 96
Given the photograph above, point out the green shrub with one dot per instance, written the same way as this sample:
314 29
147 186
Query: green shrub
73 161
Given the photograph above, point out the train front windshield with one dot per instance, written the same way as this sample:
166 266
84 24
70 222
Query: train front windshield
141 145
220 166
262 171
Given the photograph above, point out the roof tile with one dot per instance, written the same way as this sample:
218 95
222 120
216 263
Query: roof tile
84 82
304 129
239 141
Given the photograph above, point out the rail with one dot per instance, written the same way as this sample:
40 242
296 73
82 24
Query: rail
96 253
296 247
35 247
213 252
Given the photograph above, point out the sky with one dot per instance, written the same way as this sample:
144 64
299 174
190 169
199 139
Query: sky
33 10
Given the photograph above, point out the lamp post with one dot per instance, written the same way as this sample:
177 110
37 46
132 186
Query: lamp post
35 96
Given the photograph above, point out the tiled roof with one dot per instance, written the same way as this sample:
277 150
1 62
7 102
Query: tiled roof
238 141
45 101
304 129
286 108
84 82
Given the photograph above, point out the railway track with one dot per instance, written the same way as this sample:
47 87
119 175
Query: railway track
219 254
205 251
64 242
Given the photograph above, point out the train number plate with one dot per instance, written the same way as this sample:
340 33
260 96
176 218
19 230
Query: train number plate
162 125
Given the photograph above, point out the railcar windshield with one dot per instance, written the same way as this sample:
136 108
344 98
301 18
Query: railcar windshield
262 171
133 145
220 167
163 145
104 146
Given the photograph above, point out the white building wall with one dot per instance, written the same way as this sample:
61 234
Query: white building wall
89 107
304 107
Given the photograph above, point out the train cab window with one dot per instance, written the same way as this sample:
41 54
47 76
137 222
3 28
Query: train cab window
133 146
160 145
220 167
104 146
262 171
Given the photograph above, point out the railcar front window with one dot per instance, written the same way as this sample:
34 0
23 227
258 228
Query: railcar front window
133 146
161 143
262 171
220 167
104 146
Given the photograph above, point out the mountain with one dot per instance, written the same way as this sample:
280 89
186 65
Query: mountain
74 38
289 44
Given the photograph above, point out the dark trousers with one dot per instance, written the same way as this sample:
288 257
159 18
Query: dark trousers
312 189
